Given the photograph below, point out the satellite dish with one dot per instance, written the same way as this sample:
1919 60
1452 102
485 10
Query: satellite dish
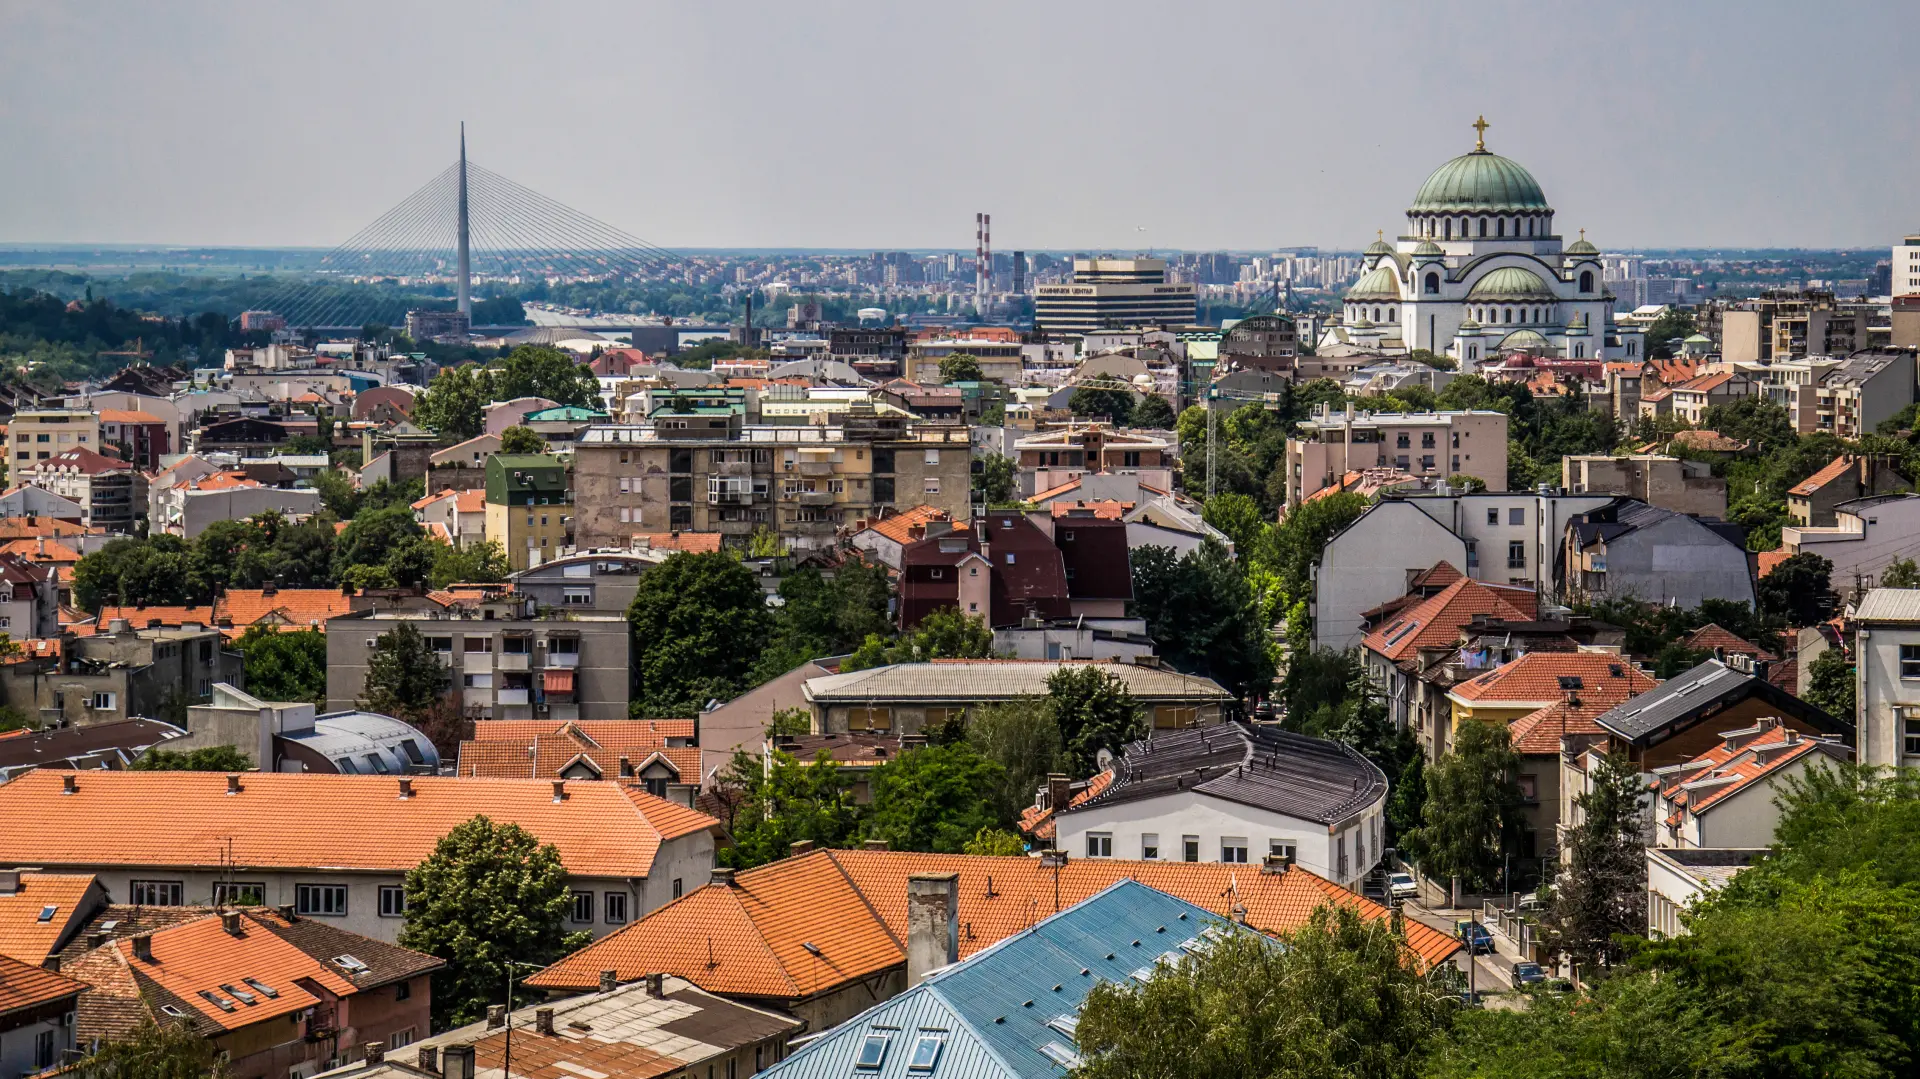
1103 760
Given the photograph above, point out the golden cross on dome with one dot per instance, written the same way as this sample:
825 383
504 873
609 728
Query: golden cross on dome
1380 234
1480 127
1583 234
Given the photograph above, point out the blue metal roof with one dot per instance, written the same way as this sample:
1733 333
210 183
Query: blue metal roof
1006 1008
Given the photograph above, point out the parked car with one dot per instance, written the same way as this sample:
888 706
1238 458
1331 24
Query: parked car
1401 886
1474 936
1525 974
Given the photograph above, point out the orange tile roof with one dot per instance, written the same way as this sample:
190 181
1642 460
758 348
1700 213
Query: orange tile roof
470 501
220 481
25 986
294 608
691 542
752 938
604 731
1535 678
1538 733
899 527
1713 635
141 617
419 504
26 527
1769 559
201 956
1435 622
39 549
1038 822
1108 510
293 821
23 935
1705 383
1740 767
1834 469
547 756
122 415
1055 492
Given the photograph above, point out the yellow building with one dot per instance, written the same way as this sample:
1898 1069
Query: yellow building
529 511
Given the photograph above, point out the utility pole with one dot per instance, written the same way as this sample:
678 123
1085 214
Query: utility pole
1212 457
465 265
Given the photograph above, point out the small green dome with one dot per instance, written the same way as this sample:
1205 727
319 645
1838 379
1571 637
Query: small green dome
1379 247
1697 339
1582 247
1379 283
1510 283
1522 339
1428 249
1480 181
1469 325
1361 323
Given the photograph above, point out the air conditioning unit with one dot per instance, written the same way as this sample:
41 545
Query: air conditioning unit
542 709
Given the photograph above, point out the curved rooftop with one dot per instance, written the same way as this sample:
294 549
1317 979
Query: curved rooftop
1480 181
1378 283
1310 779
1510 283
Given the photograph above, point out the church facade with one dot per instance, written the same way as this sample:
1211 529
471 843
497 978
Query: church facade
1480 273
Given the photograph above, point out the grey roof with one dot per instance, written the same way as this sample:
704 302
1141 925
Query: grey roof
1889 605
1663 710
354 735
838 372
971 680
1312 779
102 745
1709 865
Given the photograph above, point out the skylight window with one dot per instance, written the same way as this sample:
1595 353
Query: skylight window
217 1000
349 964
173 1011
240 995
1066 1024
46 912
1060 1055
1143 974
926 1051
873 1052
262 988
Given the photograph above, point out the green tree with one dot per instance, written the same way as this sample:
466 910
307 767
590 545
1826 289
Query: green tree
960 367
475 563
1665 334
285 665
228 554
1023 738
997 480
204 759
153 1050
1831 684
521 439
933 798
1303 534
1239 518
1768 425
1151 411
489 896
768 805
1111 405
1601 1035
1466 484
404 676
1335 999
1472 820
996 842
1798 591
157 571
825 616
1900 573
944 633
373 535
455 402
533 371
1204 617
1434 359
699 623
1601 894
1093 711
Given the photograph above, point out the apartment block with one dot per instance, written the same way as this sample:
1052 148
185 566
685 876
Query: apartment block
1053 458
1667 482
803 483
39 433
505 658
1426 445
1787 324
529 512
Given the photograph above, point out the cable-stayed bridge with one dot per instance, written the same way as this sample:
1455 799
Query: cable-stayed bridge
465 226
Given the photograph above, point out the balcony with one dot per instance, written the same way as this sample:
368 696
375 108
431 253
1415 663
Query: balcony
477 698
814 528
510 697
733 468
815 468
476 661
817 498
730 498
566 660
512 661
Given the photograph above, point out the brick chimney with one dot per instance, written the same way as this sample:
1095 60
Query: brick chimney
874 844
429 1060
799 847
1059 784
721 876
376 1052
496 1016
609 980
656 985
456 1062
543 1021
230 921
933 923
143 947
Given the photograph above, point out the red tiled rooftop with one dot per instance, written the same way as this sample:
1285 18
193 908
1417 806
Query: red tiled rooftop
1436 621
1834 470
1535 678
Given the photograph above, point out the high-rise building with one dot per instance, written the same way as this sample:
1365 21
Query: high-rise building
1906 267
1114 292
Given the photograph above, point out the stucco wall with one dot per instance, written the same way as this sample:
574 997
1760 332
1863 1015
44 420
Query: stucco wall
1371 563
1172 817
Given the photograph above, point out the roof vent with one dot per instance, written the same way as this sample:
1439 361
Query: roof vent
233 783
69 783
406 787
543 1021
230 921
874 844
723 877
496 1016
143 947
559 790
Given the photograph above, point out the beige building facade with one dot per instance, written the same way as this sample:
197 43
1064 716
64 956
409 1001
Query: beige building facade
1426 445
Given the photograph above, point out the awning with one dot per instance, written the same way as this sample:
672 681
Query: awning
558 680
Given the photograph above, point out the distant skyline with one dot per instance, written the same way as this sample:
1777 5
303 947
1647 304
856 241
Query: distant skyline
1114 126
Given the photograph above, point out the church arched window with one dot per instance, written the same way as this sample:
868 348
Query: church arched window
1630 346
1433 284
1579 351
1586 281
1376 314
1509 315
1391 315
1449 228
1483 226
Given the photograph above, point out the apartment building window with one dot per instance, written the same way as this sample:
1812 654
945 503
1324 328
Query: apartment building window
440 644
1473 555
1233 849
1190 848
1401 462
1130 459
321 900
615 904
1426 440
678 889
933 457
869 719
400 1039
1516 554
1910 661
1426 462
583 908
156 893
933 485
1340 857
1517 515
478 645
1280 848
578 597
1149 846
43 1049
477 681
1099 844
1493 516
104 701
1403 441
393 901
236 894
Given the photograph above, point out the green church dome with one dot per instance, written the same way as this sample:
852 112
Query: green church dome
1428 249
1510 283
1519 340
1378 283
1477 182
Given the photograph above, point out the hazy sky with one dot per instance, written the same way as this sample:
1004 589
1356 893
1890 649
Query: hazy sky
889 124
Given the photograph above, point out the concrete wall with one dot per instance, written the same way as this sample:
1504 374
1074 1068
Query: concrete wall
1371 563
1885 698
741 723
1677 561
1666 482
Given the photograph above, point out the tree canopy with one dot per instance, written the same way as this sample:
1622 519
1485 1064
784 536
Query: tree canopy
699 622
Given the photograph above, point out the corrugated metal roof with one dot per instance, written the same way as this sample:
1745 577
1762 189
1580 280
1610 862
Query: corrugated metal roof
990 680
1889 605
1638 720
1310 779
996 1012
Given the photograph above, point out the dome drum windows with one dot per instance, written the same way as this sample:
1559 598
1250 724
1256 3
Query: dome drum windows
1432 285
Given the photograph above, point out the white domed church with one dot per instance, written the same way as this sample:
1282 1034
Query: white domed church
1481 272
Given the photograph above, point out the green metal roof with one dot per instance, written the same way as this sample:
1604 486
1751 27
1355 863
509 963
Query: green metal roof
1378 283
1480 181
1510 283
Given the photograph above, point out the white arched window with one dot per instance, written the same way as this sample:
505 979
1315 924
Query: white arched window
1433 284
1586 281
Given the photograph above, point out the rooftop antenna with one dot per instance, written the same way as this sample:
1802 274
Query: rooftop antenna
464 259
